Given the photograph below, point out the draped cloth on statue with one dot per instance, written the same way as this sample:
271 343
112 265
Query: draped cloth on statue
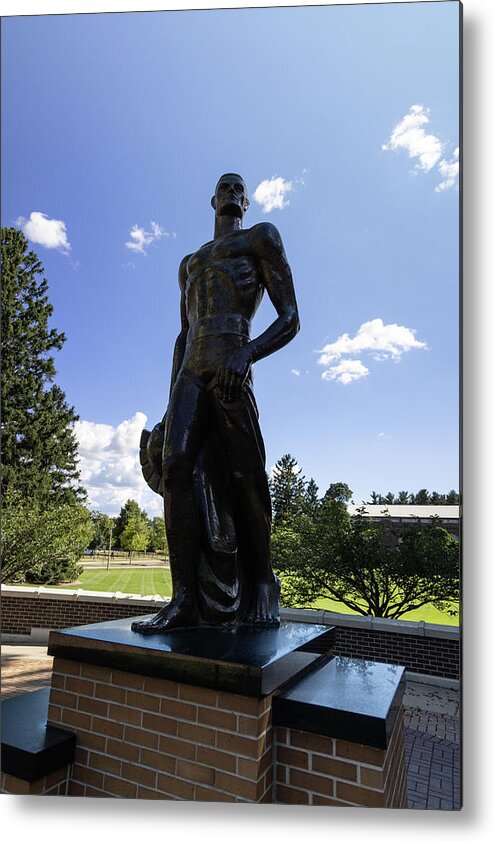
223 588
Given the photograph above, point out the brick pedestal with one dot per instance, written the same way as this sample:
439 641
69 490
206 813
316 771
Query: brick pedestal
146 737
184 715
250 716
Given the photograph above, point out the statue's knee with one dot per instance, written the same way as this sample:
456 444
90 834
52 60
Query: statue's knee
177 469
253 486
243 478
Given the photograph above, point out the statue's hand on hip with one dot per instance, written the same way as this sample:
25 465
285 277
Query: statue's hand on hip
232 373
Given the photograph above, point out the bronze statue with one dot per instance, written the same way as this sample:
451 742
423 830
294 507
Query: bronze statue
207 456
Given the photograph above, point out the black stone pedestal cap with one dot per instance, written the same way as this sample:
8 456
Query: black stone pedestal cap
30 747
347 698
246 660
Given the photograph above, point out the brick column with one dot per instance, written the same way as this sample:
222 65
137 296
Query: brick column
318 770
145 737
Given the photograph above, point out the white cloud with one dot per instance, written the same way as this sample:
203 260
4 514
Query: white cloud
410 135
449 171
49 233
109 465
382 341
272 193
141 239
296 372
346 371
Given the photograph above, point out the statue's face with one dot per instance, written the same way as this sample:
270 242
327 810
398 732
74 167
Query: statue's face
230 196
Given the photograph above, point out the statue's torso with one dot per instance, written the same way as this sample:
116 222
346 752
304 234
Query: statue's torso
223 290
222 278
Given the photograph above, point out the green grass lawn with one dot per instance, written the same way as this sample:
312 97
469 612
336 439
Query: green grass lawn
427 613
141 580
157 580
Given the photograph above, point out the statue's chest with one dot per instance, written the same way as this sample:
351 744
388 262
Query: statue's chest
228 259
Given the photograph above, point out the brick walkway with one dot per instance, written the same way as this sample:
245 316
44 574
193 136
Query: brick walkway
432 751
432 746
20 675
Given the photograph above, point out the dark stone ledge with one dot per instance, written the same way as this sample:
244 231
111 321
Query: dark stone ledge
30 747
346 698
252 662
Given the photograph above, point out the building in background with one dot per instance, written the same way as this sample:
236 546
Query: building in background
449 515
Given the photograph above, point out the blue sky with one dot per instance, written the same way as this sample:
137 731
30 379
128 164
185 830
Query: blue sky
344 122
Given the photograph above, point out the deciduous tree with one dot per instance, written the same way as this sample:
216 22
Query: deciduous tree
371 567
43 543
130 510
157 535
338 492
135 535
103 526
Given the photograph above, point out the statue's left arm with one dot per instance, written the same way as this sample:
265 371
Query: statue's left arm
276 277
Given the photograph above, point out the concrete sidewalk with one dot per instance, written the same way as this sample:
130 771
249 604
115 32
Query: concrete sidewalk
10 651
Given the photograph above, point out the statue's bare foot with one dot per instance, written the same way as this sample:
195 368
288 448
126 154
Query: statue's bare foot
265 607
180 613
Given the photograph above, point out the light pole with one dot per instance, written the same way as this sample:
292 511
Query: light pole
109 546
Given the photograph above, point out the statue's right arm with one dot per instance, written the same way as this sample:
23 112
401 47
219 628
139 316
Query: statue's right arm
179 351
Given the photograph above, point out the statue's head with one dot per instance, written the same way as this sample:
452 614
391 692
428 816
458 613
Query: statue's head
230 195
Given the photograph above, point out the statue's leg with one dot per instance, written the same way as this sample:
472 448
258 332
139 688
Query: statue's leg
241 436
184 433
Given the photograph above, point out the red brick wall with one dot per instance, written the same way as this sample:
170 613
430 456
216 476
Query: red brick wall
418 653
21 614
429 655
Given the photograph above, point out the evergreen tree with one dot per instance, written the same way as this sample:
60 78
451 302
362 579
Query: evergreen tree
311 500
403 498
452 498
39 448
436 499
287 488
421 498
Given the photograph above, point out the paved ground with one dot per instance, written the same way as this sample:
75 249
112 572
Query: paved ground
432 726
432 747
121 561
24 668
